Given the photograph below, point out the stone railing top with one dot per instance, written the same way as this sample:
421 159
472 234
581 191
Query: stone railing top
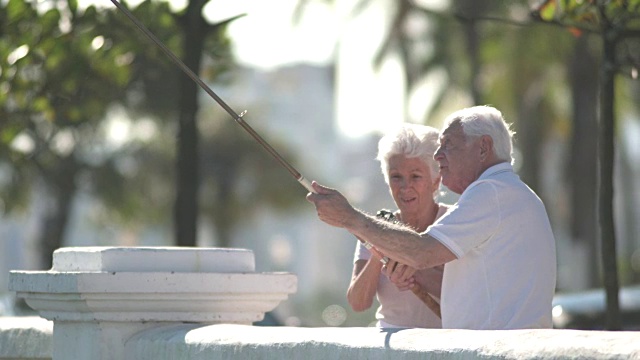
31 338
153 259
226 341
152 284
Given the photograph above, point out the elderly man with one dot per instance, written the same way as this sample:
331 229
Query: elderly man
496 241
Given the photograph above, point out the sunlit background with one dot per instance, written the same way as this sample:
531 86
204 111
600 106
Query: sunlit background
307 73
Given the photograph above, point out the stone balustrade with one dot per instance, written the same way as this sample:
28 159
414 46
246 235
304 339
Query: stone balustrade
98 297
30 338
176 303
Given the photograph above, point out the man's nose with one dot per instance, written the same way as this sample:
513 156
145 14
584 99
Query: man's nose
438 154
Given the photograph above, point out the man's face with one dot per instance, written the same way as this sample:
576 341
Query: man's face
459 158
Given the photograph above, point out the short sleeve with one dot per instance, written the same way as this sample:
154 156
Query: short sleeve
362 253
471 222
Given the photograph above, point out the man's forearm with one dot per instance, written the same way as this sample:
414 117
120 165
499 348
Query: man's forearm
399 242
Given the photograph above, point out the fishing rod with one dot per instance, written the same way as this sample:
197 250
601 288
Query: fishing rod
237 117
417 290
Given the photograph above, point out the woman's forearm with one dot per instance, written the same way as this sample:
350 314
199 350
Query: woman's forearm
364 284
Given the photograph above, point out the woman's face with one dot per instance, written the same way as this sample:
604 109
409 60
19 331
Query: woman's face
411 184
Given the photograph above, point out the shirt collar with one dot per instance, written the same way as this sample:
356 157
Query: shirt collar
495 169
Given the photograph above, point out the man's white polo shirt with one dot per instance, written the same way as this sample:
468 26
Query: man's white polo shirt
504 276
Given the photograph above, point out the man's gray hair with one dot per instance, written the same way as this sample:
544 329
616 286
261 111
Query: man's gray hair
410 140
486 120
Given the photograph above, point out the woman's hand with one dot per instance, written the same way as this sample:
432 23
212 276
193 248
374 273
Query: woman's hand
400 275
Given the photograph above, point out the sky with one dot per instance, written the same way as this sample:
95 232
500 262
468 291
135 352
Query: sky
267 37
367 99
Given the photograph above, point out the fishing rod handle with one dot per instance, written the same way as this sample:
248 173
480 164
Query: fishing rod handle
373 250
306 183
427 299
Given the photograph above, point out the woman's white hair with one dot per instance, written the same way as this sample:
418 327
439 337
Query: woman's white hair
410 140
486 120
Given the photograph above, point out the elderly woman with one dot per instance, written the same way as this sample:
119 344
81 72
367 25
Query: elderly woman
406 159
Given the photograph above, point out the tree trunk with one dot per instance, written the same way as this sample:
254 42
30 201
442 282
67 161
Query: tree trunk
529 91
187 166
530 134
605 194
626 180
61 189
583 73
470 10
224 218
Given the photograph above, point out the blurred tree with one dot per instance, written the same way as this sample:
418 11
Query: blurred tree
196 35
618 24
468 44
228 150
66 77
61 68
195 30
582 164
239 178
429 41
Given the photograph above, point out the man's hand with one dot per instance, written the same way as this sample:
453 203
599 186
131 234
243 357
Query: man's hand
400 275
332 207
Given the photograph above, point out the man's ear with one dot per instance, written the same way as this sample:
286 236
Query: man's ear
486 146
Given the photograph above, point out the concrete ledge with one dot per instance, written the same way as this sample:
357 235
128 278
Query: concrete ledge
239 341
25 338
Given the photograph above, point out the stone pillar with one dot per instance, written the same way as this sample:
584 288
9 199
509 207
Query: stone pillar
98 297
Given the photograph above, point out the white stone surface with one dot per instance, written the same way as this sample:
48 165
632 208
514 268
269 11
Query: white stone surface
98 297
205 285
192 297
27 337
30 338
154 259
245 342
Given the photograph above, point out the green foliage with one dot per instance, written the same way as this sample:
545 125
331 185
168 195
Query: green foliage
75 67
618 20
591 15
61 71
238 176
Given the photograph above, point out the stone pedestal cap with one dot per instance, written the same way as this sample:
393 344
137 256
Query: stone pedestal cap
154 259
148 284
